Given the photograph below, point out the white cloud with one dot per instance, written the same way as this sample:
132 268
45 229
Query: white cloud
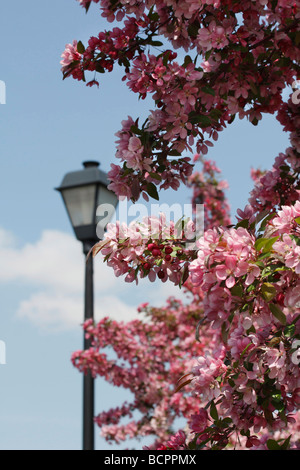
44 262
6 238
51 311
52 269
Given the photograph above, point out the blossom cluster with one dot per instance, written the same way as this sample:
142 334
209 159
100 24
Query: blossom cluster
140 363
159 248
250 378
249 278
236 68
138 174
150 248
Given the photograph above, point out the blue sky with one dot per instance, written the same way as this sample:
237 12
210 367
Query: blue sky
49 127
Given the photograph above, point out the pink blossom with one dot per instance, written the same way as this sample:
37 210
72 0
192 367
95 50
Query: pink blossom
70 55
238 341
275 359
198 422
206 372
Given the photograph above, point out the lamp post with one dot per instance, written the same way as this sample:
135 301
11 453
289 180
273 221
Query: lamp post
83 192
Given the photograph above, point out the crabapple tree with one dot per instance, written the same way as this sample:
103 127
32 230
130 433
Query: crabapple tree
203 63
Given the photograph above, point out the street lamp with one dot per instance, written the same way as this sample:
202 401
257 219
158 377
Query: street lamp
83 192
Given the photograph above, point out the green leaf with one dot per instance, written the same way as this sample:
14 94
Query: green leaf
265 244
253 88
153 15
278 313
246 349
193 30
161 168
260 264
285 168
208 54
297 220
261 216
264 255
135 189
80 47
156 43
135 130
289 331
297 38
273 445
260 242
174 153
268 415
184 276
278 405
166 58
237 290
215 114
201 119
124 61
187 60
99 68
245 433
265 220
214 411
268 246
208 90
204 121
268 291
155 176
286 444
243 223
88 6
224 332
225 422
193 443
179 226
152 191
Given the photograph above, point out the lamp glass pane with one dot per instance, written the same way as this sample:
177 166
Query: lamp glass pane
80 203
106 204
